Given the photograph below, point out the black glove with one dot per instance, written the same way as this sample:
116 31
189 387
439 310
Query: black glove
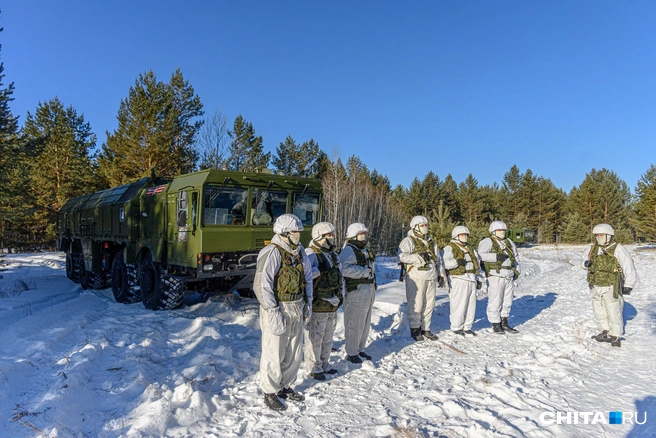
426 257
479 284
587 263
501 257
440 281
461 262
627 290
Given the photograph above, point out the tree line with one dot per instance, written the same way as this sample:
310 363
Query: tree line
55 156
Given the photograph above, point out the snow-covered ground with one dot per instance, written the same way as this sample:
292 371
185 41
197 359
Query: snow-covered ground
74 363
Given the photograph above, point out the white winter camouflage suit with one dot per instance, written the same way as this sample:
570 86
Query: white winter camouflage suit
501 286
420 280
281 355
357 303
608 309
321 328
462 293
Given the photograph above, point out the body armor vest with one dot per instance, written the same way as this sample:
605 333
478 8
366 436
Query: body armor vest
328 284
496 249
289 283
605 270
421 247
361 260
458 253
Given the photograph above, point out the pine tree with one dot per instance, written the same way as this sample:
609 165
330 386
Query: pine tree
546 232
10 173
155 129
602 197
440 224
450 194
470 200
59 143
573 230
549 203
512 181
645 205
246 150
187 108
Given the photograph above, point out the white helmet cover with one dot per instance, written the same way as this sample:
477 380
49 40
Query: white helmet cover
322 228
354 229
418 220
497 225
287 223
603 229
458 231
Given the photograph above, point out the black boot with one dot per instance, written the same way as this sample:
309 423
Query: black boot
602 337
615 341
506 327
429 335
272 401
416 334
290 394
496 328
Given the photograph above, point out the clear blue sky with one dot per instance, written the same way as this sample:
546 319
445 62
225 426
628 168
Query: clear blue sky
456 87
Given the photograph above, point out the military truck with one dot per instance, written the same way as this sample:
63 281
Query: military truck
155 238
520 236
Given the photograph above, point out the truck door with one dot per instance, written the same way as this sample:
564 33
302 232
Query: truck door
184 245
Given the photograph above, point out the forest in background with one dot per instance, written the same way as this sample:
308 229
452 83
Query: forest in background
55 155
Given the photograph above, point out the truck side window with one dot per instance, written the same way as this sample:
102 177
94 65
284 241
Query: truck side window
267 205
306 207
224 205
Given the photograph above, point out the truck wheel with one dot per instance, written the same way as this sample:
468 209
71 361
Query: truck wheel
75 266
133 280
173 291
150 281
123 293
69 266
97 281
84 275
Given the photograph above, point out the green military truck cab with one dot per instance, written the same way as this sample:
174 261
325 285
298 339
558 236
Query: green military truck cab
520 235
155 238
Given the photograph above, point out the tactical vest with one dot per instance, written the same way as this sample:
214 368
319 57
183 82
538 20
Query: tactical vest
328 284
421 247
605 270
360 260
496 249
458 253
289 283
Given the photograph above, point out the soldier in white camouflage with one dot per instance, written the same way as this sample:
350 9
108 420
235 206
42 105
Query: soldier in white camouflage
501 263
328 292
283 286
611 276
360 281
424 274
465 274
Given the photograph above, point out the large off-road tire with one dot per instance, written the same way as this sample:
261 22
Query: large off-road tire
84 275
97 281
159 290
123 292
70 273
73 260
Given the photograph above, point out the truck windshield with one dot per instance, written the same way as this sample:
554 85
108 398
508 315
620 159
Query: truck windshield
224 206
267 205
306 207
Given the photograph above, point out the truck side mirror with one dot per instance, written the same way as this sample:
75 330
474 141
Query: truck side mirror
183 199
182 218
